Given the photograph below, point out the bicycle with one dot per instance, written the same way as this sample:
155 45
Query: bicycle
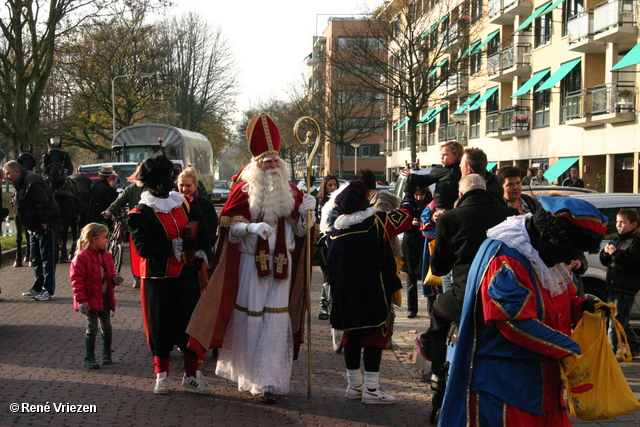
115 241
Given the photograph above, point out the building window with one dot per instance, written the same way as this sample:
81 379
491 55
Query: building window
475 63
541 103
474 123
493 103
432 132
543 30
365 151
373 43
572 82
570 9
493 46
476 10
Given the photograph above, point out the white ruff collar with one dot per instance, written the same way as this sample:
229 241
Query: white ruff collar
346 221
513 233
163 205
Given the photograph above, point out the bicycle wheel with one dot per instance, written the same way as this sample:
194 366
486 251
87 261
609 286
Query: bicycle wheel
336 340
118 254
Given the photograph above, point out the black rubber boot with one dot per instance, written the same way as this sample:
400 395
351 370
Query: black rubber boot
90 360
325 302
106 349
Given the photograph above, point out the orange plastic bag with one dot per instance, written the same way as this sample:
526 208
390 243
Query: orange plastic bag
595 384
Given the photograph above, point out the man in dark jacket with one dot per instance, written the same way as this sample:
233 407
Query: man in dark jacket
102 195
39 214
474 160
622 259
459 234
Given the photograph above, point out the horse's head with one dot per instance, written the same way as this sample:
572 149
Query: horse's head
57 177
27 159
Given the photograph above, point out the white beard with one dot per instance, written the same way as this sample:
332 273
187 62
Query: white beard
270 196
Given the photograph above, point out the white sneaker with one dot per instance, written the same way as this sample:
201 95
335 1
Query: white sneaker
197 383
162 384
44 296
354 392
378 397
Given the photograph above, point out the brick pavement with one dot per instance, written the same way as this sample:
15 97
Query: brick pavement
41 363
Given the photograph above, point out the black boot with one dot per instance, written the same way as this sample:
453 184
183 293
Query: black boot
90 360
325 302
106 349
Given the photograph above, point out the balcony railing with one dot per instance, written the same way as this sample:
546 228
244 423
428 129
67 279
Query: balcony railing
614 13
447 37
493 122
495 6
515 118
514 56
453 131
615 97
576 105
580 26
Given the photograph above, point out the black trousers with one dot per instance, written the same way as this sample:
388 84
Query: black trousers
439 329
169 303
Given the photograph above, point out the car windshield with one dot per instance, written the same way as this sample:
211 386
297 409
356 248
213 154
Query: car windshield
221 185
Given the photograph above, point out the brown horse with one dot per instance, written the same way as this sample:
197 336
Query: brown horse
28 162
72 195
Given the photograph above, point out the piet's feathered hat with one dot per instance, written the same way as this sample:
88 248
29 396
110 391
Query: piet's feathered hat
353 198
156 172
578 212
263 136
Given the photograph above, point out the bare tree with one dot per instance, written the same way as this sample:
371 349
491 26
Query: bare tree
200 77
30 30
79 105
424 46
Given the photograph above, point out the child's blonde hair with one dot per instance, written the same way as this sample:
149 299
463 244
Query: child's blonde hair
88 232
456 148
191 173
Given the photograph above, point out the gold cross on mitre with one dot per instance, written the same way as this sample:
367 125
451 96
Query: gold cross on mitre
280 261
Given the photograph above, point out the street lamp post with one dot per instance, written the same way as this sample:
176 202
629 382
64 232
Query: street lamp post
113 94
355 145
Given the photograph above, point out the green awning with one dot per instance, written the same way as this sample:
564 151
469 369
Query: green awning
471 47
485 41
526 87
466 103
426 116
539 11
430 30
404 122
631 58
435 113
491 165
559 167
483 98
432 72
559 75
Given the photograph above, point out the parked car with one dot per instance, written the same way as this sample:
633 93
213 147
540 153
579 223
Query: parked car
220 192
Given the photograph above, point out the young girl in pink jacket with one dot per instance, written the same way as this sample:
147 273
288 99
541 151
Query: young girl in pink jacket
93 278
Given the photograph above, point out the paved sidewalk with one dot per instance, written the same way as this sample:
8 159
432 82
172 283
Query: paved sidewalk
41 370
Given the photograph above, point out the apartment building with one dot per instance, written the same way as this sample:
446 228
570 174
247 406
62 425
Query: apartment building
347 109
543 83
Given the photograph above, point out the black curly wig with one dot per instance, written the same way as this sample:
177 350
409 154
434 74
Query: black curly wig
558 240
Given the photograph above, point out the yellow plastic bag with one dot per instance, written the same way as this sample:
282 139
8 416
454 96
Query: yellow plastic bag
431 279
595 384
